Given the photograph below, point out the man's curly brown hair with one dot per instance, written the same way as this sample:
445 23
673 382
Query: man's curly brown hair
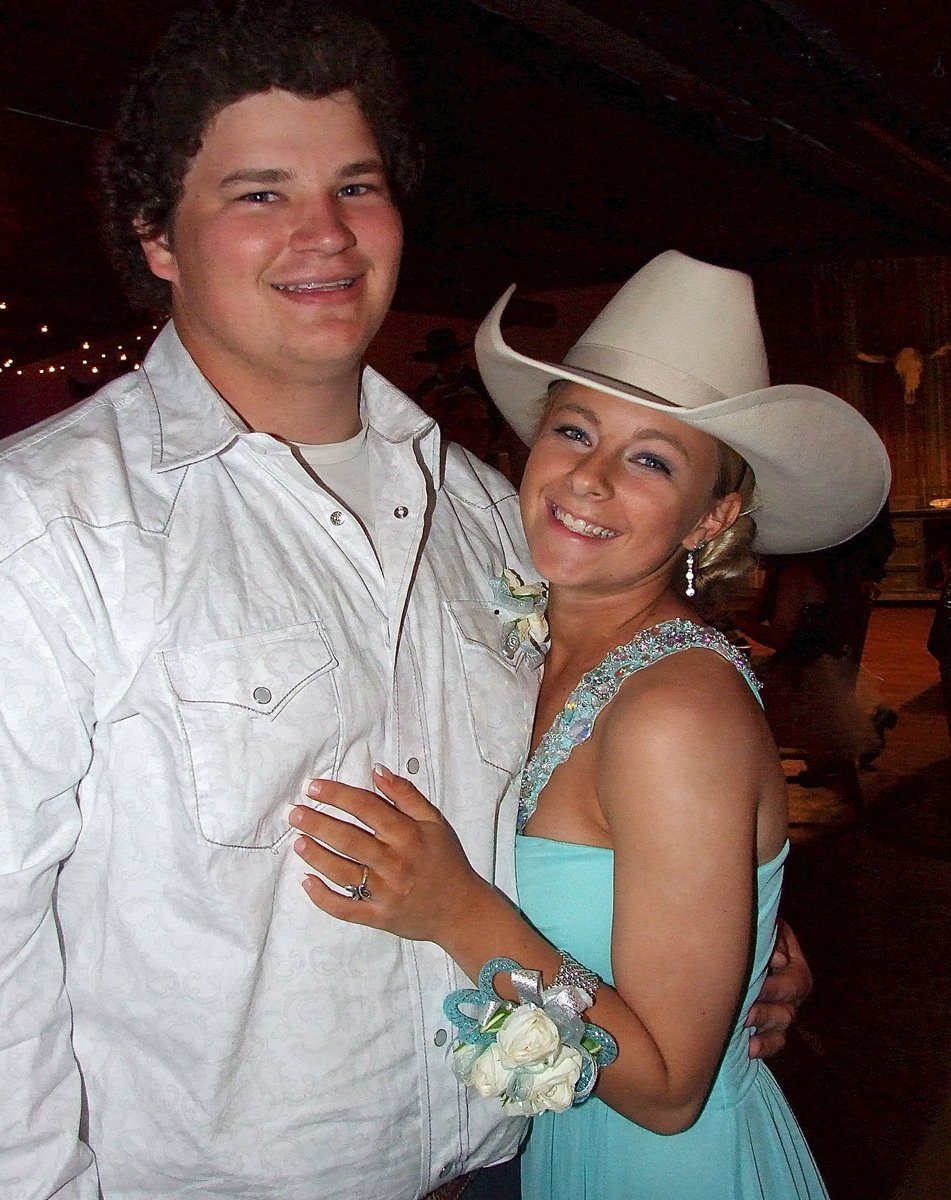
211 57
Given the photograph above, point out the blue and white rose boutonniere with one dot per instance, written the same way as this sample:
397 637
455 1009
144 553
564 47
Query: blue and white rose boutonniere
522 609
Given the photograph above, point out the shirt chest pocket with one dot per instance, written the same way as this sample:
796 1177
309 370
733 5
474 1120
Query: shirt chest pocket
258 715
500 691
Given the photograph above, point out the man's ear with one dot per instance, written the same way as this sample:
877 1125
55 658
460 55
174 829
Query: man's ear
723 514
158 253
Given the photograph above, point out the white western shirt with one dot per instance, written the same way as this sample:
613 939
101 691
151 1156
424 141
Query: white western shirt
189 632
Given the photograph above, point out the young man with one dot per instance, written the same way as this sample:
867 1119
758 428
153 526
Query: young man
247 565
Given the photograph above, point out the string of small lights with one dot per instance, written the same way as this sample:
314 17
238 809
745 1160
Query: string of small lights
87 359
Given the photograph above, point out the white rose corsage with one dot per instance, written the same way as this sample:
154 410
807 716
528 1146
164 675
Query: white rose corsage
535 1055
522 609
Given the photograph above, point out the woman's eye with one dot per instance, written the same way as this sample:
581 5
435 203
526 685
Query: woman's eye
652 462
574 432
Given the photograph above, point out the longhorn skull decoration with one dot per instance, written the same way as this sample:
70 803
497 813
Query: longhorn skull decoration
909 364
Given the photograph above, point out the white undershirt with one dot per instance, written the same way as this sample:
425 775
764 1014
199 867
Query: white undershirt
341 468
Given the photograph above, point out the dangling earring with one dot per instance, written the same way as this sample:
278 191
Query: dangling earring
690 590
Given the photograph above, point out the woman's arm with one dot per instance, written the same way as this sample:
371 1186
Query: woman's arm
686 850
680 772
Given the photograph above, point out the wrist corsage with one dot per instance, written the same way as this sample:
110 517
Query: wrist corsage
522 609
535 1055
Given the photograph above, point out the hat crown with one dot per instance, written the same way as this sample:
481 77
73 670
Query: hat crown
679 322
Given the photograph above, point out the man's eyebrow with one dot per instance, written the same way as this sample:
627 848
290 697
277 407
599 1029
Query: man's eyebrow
350 170
256 175
366 166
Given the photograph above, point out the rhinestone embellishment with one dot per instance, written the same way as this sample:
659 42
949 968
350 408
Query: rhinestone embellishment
575 723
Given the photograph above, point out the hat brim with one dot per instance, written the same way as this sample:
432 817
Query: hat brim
822 473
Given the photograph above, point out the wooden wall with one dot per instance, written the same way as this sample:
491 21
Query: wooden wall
817 319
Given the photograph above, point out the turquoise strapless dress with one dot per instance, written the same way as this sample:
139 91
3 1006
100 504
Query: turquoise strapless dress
746 1144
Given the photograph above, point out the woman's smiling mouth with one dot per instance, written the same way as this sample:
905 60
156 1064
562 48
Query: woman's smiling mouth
577 525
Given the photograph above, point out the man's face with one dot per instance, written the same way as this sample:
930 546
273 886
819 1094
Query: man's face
285 244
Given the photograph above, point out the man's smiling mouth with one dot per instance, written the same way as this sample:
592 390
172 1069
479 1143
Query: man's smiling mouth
338 285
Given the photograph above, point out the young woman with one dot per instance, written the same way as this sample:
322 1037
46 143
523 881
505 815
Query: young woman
653 808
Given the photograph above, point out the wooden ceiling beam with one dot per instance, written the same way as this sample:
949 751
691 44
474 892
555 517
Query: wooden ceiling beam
853 151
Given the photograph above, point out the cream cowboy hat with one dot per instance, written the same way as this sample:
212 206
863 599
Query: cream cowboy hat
683 336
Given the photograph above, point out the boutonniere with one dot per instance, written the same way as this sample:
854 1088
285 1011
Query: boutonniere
522 609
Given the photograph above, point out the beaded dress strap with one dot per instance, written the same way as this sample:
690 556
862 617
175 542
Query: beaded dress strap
575 723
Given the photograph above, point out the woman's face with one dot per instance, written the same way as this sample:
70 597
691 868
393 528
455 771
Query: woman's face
612 491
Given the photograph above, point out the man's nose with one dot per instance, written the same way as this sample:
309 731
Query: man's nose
322 226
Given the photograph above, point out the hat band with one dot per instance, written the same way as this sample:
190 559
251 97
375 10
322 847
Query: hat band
639 371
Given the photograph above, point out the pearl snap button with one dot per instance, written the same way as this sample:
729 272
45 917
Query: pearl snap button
440 1037
401 511
262 695
412 765
336 518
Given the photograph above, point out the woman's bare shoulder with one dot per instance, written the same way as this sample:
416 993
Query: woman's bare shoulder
688 727
695 685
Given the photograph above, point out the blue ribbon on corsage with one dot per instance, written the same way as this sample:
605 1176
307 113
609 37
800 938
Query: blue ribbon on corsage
522 607
562 1005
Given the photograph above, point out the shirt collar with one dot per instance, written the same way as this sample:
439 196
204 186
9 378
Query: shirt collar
191 422
391 414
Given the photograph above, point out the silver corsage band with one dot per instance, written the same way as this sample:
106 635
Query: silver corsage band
571 974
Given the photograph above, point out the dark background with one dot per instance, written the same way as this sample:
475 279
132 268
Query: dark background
567 143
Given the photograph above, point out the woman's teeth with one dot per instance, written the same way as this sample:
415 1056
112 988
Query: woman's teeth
576 525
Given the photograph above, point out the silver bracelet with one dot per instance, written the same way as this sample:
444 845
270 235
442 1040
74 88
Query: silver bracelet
571 974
